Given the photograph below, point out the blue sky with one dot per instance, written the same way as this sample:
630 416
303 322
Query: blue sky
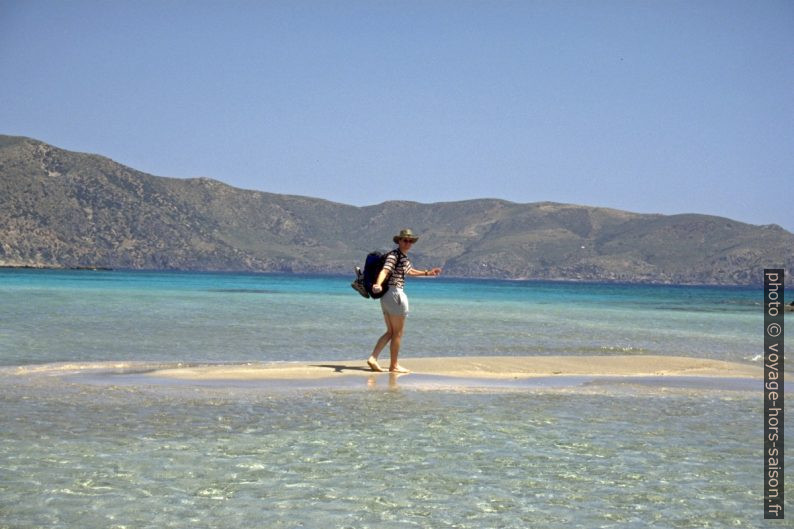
648 106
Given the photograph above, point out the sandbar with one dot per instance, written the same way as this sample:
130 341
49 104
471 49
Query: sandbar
490 367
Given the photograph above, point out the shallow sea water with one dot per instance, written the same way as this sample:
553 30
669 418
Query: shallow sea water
56 316
81 455
89 442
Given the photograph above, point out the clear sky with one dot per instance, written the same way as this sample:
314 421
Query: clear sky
648 106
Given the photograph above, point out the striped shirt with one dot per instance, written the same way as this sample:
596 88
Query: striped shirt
398 265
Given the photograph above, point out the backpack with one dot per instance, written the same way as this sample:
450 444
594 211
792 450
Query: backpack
372 268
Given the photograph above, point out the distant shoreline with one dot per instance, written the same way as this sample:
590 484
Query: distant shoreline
54 267
565 280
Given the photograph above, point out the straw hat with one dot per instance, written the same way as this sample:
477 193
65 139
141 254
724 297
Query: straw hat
405 234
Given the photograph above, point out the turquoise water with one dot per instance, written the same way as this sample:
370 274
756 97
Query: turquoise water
54 316
82 446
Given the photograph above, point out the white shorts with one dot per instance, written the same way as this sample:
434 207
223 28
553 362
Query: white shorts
394 302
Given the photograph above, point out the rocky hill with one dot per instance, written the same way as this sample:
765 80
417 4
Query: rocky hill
60 208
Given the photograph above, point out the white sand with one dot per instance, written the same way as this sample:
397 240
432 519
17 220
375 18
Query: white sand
499 367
